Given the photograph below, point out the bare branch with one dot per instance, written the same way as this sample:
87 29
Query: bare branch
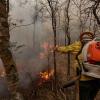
21 26
95 7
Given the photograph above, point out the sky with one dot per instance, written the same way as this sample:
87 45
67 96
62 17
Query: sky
21 12
24 10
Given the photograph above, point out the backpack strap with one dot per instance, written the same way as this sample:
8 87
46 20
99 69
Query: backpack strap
81 66
77 58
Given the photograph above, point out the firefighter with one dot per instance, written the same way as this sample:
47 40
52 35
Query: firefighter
88 85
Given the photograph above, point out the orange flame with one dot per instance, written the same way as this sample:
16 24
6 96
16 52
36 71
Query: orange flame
46 75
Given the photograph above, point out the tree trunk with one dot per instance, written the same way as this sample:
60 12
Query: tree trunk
67 35
54 53
5 53
54 24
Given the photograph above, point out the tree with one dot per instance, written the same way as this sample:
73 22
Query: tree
35 22
95 8
66 29
5 53
53 9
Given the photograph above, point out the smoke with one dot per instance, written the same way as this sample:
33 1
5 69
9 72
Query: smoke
27 58
32 58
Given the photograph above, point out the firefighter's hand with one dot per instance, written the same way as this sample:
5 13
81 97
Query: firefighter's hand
54 48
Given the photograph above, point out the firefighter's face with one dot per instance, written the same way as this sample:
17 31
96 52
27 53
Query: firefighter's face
85 41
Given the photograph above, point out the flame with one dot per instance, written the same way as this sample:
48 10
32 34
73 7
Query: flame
46 46
46 50
46 75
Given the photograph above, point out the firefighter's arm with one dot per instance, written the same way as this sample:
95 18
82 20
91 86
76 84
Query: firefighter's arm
73 48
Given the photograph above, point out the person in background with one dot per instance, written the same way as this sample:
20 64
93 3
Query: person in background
88 86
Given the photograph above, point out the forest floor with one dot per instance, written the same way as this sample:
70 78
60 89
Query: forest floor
45 91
